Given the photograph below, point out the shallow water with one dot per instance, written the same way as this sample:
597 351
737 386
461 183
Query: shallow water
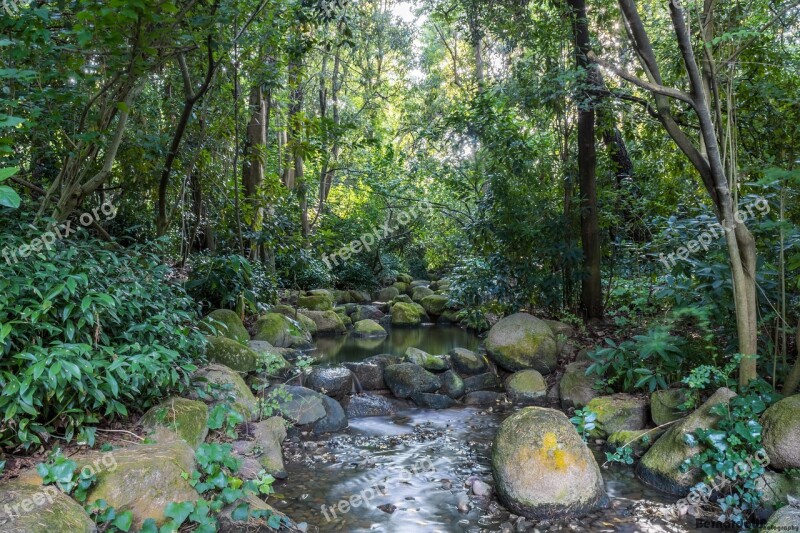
435 340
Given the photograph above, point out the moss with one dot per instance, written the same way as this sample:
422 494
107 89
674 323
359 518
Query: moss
225 323
53 510
618 412
282 332
368 328
405 315
434 304
781 434
231 354
521 341
187 418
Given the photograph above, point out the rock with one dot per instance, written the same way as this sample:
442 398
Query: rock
142 479
618 412
221 384
360 297
775 488
433 401
481 489
316 302
230 353
423 316
576 388
28 508
282 332
467 362
388 508
400 286
419 283
425 360
639 440
368 328
225 323
335 418
664 405
488 381
660 467
405 278
526 387
521 341
407 379
543 469
365 405
268 435
368 375
785 519
781 434
187 418
434 304
405 315
336 382
418 293
560 328
388 294
299 405
367 312
452 384
290 312
328 322
341 297
449 316
484 398
403 298
271 358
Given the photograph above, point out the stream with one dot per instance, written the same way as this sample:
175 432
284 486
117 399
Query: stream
407 472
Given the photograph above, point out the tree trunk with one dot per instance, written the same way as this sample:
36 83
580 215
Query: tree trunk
793 379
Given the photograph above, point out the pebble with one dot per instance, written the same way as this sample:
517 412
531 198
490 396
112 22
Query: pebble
387 508
481 489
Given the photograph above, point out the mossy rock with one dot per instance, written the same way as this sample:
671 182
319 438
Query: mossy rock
639 440
365 312
781 434
427 361
341 297
268 435
405 315
418 293
784 519
360 297
387 294
327 322
292 313
316 302
225 323
467 362
407 379
576 389
299 405
452 384
665 405
776 488
368 328
282 332
543 469
403 298
405 278
526 387
618 412
400 286
271 357
187 418
230 353
220 384
29 508
660 467
434 304
521 341
449 316
560 328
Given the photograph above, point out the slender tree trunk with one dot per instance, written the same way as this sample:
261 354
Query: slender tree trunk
793 379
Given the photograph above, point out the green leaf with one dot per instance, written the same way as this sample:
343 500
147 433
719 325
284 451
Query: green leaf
6 173
9 197
179 511
124 521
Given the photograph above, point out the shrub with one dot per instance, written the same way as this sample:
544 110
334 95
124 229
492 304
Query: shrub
230 282
85 331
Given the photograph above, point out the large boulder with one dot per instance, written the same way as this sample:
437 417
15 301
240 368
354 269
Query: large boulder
435 304
282 332
526 387
336 382
335 418
618 412
387 295
407 379
468 363
405 278
368 328
216 384
232 354
187 418
560 328
290 312
316 302
270 358
418 293
268 435
451 384
360 297
427 361
400 286
367 312
781 434
327 322
543 469
521 341
665 405
785 519
368 375
299 405
28 508
405 315
225 323
576 389
341 297
661 465
366 405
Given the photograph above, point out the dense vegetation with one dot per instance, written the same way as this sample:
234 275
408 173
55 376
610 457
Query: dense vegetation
579 160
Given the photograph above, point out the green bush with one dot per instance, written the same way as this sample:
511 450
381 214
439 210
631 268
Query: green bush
302 270
87 330
355 275
230 282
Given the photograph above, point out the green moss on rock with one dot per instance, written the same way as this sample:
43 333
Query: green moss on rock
526 387
230 353
282 332
368 328
618 412
225 323
30 508
187 418
521 341
781 434
405 315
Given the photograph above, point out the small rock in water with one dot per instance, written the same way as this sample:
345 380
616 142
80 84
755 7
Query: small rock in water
481 489
463 505
302 526
387 508
447 484
506 527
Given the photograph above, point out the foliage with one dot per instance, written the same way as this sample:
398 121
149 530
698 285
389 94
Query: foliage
623 454
584 421
230 282
66 475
